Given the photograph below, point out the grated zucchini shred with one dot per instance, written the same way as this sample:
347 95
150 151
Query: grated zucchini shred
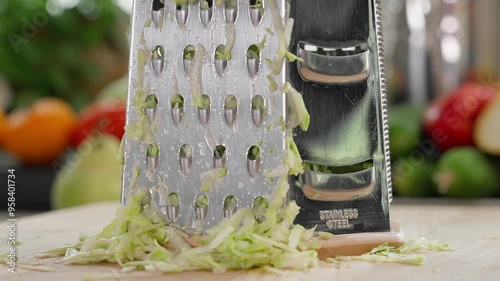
411 252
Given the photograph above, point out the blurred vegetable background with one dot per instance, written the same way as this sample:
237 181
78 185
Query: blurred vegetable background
449 147
443 67
63 80
66 49
63 85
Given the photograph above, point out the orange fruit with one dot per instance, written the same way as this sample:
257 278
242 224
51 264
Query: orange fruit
38 135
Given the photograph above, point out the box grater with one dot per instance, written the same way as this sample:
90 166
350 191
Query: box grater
207 114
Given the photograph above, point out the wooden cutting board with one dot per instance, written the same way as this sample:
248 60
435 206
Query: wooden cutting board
473 230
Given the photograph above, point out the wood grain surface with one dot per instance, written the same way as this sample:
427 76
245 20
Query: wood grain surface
472 229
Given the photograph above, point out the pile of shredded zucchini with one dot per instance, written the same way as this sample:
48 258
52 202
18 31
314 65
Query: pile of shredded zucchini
138 238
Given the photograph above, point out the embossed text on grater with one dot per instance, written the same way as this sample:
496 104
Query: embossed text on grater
178 59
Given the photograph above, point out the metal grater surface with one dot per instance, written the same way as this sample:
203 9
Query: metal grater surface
162 69
346 185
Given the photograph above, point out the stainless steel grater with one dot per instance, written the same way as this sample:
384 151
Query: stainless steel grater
346 186
205 114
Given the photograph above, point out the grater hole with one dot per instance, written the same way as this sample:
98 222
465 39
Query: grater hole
151 101
153 150
352 63
202 104
157 12
253 160
181 14
150 104
187 57
201 207
256 11
177 108
230 110
185 158
231 10
222 55
230 206
206 4
158 60
258 110
220 157
253 60
158 5
172 203
206 11
359 177
259 207
152 156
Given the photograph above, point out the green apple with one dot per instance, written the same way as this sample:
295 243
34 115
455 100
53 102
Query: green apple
91 174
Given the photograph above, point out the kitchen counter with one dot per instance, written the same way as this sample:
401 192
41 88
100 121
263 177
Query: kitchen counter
472 229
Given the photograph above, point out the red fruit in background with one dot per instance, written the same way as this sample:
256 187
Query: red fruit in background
108 118
449 120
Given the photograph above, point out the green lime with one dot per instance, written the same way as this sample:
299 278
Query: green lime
405 128
465 172
412 176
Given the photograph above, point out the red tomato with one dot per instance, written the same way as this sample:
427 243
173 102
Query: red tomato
108 118
449 120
